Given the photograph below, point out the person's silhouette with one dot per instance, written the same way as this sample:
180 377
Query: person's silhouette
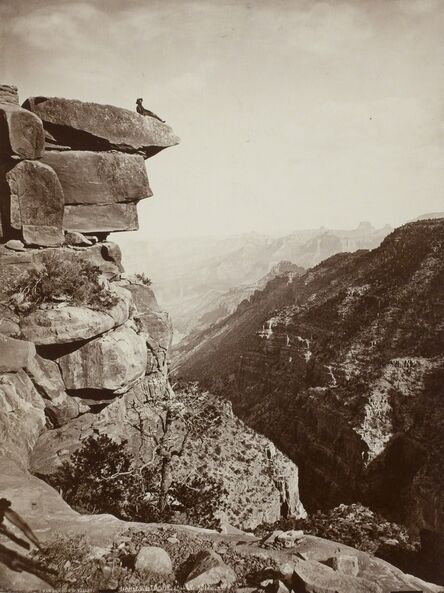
141 109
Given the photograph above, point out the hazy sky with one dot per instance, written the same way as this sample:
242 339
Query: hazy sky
292 113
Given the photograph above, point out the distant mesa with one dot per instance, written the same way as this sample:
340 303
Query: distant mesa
71 166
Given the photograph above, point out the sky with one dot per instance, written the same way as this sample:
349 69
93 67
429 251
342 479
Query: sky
292 114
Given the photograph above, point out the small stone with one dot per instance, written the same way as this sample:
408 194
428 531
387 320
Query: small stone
77 239
15 245
154 561
172 540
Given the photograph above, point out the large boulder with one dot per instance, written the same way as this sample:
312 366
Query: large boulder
66 324
91 126
153 561
47 379
101 218
100 177
21 132
35 199
15 354
209 571
112 362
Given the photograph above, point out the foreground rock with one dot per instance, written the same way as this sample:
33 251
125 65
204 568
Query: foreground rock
209 571
101 218
91 126
152 560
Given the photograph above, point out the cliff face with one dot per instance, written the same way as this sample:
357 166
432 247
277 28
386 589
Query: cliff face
84 347
346 374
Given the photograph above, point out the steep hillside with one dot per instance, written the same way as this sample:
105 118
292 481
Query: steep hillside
343 369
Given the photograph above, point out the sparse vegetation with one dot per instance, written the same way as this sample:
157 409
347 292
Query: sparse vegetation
353 525
58 279
143 278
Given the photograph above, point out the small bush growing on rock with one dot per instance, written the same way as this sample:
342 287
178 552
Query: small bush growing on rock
74 281
143 278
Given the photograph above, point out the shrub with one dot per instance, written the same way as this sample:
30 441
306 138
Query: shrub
143 278
60 279
101 478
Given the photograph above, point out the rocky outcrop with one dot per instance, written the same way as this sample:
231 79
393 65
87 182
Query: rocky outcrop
67 324
91 126
111 362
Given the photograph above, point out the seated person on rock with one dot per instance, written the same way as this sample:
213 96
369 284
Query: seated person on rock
141 109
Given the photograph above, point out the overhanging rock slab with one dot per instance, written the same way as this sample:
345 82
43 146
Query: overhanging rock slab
92 126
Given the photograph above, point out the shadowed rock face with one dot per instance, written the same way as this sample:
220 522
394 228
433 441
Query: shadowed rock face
91 126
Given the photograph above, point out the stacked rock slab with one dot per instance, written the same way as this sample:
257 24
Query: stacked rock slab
71 166
61 358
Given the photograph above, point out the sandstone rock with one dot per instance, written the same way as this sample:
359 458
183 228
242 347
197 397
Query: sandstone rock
8 94
101 218
113 362
91 126
36 202
152 560
73 324
46 377
100 177
21 132
42 235
77 239
346 564
156 325
15 354
22 416
313 577
209 570
120 420
15 245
